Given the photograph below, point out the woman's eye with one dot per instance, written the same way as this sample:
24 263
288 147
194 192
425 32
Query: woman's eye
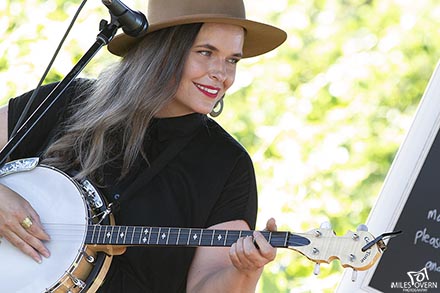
233 60
205 53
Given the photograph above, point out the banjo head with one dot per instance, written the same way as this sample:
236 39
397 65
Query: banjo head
64 214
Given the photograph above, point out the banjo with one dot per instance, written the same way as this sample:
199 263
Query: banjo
84 237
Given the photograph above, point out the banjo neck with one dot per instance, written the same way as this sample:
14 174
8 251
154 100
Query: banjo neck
320 245
189 237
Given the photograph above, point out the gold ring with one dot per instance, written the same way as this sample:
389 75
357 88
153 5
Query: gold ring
26 223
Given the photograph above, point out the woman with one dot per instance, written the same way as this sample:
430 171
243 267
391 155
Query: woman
113 129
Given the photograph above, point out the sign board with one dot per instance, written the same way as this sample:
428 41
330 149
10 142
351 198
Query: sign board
409 201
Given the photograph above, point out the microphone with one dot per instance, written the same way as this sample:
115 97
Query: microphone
133 23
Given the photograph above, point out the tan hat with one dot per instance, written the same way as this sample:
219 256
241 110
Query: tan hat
260 38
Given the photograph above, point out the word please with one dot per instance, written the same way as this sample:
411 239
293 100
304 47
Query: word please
424 237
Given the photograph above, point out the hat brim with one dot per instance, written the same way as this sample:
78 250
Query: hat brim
260 38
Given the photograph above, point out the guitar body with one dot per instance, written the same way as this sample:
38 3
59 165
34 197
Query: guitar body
62 206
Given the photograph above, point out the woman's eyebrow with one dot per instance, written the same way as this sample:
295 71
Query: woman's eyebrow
215 49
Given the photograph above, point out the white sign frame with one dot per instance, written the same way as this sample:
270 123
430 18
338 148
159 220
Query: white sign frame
401 177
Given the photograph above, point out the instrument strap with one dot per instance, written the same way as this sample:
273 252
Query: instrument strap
148 173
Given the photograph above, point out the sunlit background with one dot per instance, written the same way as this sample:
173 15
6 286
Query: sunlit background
322 116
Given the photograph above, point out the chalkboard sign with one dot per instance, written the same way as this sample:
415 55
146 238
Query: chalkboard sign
409 201
419 246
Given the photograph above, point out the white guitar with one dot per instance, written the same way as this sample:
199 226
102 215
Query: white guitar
84 237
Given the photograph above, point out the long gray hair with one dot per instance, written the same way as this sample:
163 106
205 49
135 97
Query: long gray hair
110 123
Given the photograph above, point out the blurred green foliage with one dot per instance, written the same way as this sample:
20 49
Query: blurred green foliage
322 116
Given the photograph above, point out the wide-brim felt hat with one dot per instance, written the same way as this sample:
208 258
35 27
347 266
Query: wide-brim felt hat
259 37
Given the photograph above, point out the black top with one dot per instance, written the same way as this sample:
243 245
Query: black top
210 181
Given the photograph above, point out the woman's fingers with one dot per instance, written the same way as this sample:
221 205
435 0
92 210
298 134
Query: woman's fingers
21 226
271 225
249 255
27 243
36 228
252 253
267 251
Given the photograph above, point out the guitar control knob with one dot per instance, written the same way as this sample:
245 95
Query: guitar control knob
354 275
317 269
362 227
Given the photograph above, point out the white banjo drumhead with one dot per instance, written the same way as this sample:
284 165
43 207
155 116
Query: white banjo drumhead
63 213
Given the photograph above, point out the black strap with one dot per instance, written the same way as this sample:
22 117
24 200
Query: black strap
166 156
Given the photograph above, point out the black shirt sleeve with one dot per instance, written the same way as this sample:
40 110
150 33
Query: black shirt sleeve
238 200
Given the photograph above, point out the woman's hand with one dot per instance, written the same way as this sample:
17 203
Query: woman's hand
234 269
21 226
250 254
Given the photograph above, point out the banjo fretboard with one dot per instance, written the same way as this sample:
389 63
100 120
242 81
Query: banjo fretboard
192 237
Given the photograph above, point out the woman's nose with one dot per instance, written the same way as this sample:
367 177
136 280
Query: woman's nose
217 71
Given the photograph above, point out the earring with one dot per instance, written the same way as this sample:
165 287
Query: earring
216 112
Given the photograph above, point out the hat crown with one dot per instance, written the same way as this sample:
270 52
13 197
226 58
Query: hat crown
259 39
166 10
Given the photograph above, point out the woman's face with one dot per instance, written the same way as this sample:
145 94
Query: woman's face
209 69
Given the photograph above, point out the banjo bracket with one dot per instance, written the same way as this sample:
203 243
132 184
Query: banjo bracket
77 282
89 258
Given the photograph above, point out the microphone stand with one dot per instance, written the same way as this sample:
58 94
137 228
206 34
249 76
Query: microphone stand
106 34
